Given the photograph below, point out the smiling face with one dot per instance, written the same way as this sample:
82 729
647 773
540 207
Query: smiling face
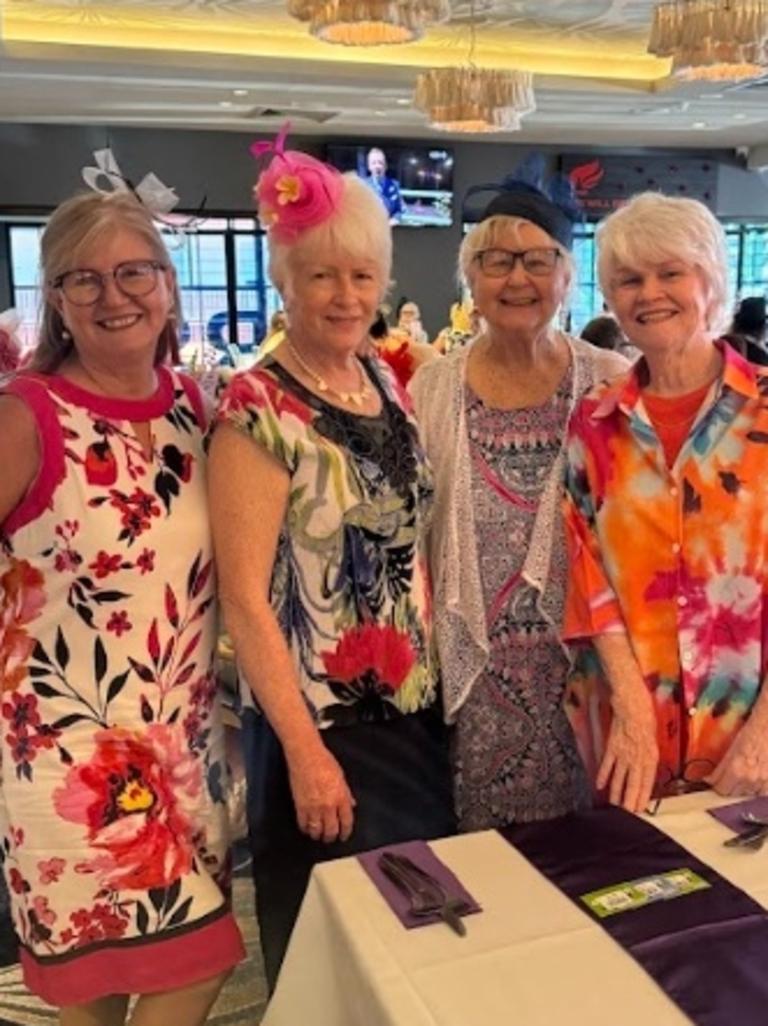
661 306
519 302
331 302
117 327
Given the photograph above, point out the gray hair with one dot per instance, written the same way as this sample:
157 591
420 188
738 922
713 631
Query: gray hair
75 226
359 228
652 228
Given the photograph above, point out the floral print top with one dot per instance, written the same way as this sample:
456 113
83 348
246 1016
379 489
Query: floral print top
350 584
112 804
678 556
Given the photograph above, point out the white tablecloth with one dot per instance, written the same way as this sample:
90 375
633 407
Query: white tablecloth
531 958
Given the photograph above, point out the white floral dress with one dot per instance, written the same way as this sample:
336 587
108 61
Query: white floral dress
112 802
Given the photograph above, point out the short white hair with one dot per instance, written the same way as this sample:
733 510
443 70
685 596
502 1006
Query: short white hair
358 228
486 235
652 229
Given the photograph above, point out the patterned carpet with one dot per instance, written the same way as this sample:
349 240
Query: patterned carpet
242 1002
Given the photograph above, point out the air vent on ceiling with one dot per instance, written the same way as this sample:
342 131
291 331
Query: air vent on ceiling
291 114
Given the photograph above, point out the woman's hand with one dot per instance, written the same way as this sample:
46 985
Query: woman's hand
631 753
744 767
323 801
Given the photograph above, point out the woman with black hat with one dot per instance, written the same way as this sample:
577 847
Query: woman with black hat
494 417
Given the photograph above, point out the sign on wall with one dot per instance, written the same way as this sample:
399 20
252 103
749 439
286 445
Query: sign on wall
604 183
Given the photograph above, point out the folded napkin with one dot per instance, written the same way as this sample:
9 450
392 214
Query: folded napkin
422 855
732 815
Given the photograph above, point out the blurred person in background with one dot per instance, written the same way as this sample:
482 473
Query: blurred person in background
747 333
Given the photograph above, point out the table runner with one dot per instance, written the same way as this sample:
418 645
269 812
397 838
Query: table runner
707 950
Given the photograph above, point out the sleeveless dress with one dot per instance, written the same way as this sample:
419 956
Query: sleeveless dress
112 802
515 753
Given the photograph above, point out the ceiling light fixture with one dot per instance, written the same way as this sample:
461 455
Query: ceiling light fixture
712 39
472 99
369 22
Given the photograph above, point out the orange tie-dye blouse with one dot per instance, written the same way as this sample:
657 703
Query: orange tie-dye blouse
676 556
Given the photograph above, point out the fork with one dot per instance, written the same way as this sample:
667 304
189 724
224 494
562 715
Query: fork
426 895
753 837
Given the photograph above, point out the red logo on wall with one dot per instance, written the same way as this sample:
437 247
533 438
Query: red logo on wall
586 177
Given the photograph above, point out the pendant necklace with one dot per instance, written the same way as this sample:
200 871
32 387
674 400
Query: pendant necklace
356 398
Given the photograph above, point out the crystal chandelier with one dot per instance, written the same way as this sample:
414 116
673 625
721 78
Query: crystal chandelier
712 39
368 22
471 99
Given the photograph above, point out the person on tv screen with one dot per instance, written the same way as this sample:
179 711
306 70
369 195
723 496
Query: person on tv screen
387 188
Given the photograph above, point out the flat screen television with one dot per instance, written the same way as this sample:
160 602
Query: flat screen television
415 183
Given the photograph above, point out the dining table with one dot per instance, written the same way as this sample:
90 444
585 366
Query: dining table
531 957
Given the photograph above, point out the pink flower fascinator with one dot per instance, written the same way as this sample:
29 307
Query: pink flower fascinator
295 191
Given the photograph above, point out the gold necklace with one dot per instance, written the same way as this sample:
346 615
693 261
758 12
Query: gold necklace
356 398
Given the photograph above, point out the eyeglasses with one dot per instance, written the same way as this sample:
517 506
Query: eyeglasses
133 278
498 263
689 779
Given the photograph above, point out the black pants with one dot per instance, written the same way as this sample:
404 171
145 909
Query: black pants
398 772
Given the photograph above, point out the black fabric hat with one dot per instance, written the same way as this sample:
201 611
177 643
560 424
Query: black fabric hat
537 209
553 207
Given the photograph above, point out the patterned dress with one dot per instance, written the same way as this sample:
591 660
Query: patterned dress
112 803
516 756
350 586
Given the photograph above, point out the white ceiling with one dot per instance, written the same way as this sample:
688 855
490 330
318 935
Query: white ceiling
240 65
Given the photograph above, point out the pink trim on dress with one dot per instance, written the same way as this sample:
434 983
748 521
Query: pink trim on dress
52 469
145 967
195 396
135 410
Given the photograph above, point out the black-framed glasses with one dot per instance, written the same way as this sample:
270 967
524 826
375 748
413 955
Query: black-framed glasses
690 778
498 263
84 287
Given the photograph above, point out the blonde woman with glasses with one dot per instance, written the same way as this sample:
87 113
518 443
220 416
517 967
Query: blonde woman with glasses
112 798
494 417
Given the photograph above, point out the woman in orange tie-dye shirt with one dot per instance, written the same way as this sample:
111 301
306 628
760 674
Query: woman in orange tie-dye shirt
667 513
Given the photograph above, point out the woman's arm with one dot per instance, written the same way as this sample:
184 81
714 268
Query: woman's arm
593 612
19 452
248 495
631 756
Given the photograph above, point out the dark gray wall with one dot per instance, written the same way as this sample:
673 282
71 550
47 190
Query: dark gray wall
41 166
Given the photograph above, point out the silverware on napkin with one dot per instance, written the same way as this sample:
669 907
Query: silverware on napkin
753 836
426 895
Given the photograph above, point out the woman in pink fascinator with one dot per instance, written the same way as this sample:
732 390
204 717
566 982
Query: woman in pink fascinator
321 496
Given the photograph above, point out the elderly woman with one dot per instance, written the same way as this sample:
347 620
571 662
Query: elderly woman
494 417
667 519
115 847
321 496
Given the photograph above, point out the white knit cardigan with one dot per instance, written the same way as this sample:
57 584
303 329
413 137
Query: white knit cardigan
438 391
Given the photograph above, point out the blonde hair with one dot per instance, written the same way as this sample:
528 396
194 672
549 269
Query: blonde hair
652 228
486 235
358 228
75 226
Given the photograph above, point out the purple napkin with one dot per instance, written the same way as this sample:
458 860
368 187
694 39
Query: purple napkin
423 856
731 815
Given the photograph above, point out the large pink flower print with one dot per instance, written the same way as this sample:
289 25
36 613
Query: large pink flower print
22 596
134 797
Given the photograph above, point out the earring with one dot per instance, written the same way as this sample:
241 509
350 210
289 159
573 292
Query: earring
65 335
